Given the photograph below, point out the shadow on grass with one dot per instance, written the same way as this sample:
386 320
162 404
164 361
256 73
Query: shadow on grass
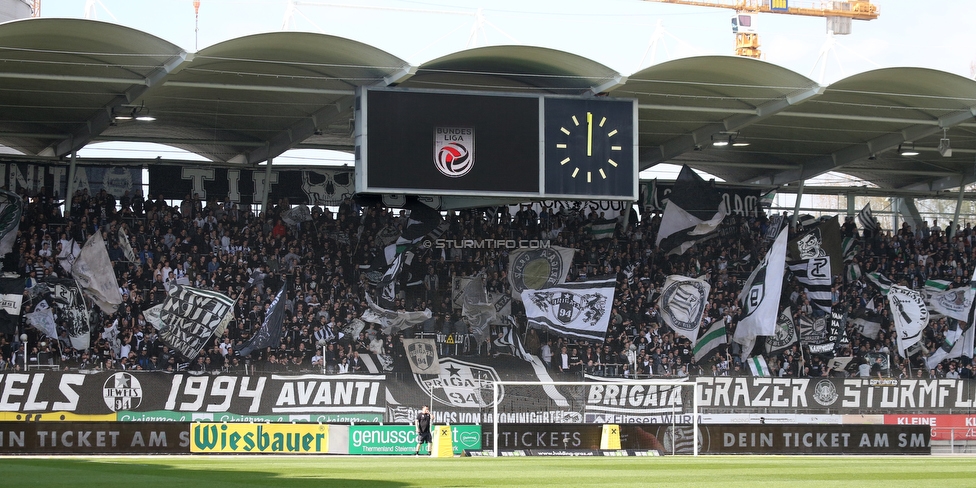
213 473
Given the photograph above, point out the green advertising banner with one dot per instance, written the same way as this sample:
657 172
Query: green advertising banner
402 439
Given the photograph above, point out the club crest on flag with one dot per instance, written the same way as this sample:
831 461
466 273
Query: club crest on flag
785 332
421 353
537 269
686 302
757 292
122 391
454 150
461 384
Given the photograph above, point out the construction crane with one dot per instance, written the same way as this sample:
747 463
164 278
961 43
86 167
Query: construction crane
838 14
35 8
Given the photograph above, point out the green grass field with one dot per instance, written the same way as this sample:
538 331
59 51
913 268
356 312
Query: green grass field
534 472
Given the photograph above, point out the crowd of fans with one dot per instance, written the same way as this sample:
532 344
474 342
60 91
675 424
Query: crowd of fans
328 267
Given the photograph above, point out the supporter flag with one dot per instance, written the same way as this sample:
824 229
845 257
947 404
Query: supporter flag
11 209
682 304
958 342
511 341
421 221
767 199
270 332
693 214
388 288
602 228
909 315
126 246
69 305
190 317
538 269
758 366
42 319
839 363
11 299
866 219
68 253
814 275
715 336
813 330
881 281
422 356
476 308
296 215
760 296
853 273
849 247
393 321
93 272
954 303
785 335
820 240
152 315
868 324
578 310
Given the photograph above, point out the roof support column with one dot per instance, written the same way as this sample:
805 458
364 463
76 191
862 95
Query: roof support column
266 191
955 216
796 206
70 188
851 209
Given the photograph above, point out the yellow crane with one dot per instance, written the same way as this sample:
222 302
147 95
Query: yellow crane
838 14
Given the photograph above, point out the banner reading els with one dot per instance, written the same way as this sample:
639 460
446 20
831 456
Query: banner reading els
103 393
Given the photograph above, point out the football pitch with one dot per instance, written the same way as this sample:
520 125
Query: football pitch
534 472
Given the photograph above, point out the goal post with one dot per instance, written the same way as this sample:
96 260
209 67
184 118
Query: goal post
666 394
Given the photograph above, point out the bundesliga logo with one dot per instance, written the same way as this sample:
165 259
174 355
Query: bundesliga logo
454 151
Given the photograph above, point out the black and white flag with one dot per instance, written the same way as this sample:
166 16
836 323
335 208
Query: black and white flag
93 272
909 315
126 246
388 288
42 319
814 275
69 306
694 211
296 215
958 341
955 303
11 299
580 310
511 342
682 304
867 221
785 335
392 321
760 297
422 356
868 324
69 251
191 316
11 209
476 308
270 332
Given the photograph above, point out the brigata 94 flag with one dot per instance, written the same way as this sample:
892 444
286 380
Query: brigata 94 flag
580 309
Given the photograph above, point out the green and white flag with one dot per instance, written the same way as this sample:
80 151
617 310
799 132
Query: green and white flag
758 366
715 336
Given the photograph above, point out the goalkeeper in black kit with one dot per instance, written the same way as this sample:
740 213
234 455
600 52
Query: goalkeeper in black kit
423 429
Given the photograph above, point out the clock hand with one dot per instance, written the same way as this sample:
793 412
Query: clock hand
589 133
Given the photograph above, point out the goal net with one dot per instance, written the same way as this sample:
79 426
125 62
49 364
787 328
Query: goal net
653 414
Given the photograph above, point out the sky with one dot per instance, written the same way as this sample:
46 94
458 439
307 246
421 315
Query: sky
625 35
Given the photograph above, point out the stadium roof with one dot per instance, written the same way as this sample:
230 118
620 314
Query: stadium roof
252 98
